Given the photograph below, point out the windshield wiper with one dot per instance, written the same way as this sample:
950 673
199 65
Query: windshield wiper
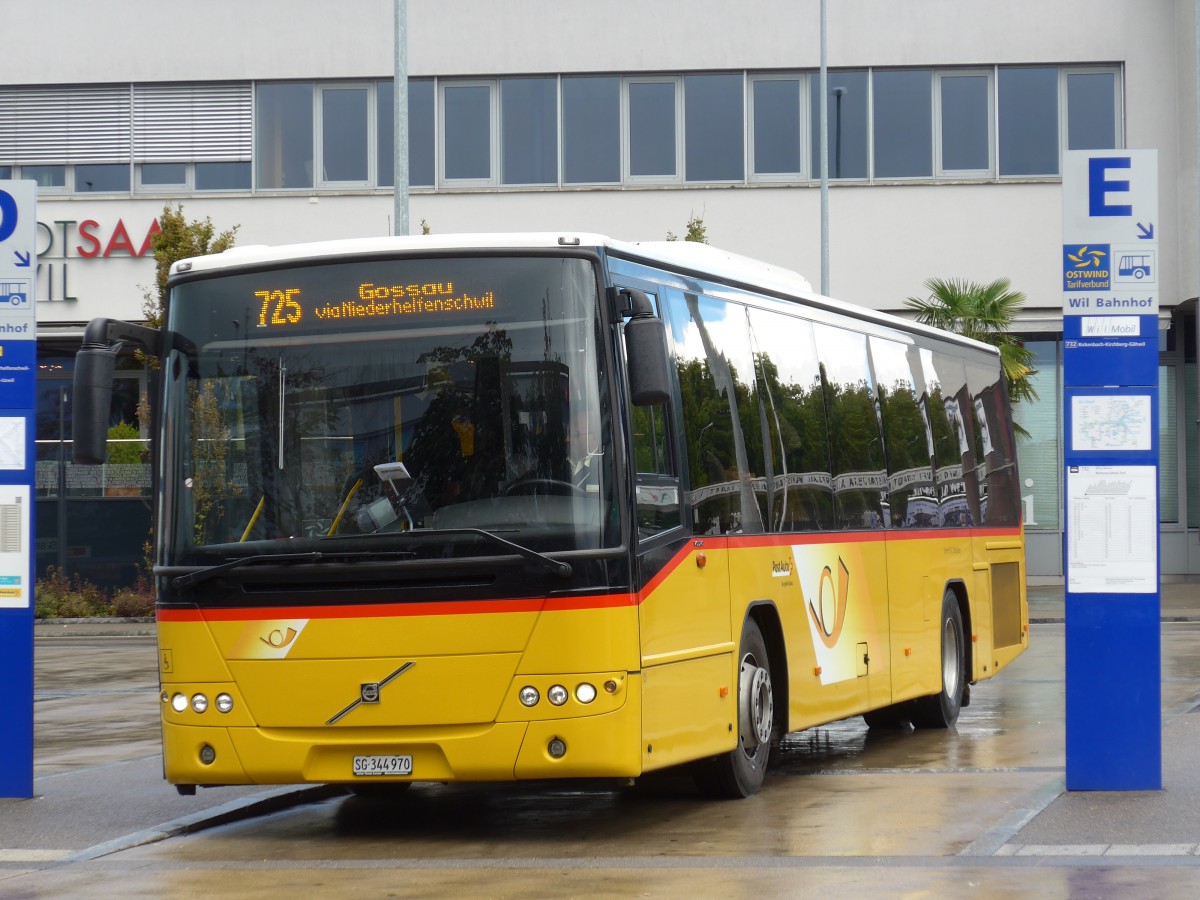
558 567
192 579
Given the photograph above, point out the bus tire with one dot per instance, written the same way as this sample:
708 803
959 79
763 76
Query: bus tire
740 772
941 710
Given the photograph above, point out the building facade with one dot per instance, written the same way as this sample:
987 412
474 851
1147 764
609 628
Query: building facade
947 124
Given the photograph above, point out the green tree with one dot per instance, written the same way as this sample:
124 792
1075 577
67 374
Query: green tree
696 231
177 239
985 312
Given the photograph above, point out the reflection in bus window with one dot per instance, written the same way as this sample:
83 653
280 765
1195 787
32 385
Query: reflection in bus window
712 346
796 490
859 472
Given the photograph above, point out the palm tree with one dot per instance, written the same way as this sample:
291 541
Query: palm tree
985 312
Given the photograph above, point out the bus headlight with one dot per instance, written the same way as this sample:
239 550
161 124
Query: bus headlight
557 695
179 703
585 693
529 696
224 703
199 703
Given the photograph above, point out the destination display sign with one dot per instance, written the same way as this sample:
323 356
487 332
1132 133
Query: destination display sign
286 306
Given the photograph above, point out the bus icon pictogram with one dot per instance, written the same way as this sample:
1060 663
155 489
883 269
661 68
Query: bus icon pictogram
1135 265
14 294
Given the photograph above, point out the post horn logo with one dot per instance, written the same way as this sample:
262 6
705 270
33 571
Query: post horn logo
278 639
832 608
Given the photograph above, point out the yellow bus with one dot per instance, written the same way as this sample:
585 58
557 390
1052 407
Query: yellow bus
504 507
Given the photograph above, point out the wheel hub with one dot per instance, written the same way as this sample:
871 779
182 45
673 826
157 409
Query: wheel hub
756 705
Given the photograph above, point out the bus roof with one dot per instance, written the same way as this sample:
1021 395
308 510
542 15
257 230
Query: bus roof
692 257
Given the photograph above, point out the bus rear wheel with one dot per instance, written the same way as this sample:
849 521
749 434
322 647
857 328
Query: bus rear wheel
941 710
740 772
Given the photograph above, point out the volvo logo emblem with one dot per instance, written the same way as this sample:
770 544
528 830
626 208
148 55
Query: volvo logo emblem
368 692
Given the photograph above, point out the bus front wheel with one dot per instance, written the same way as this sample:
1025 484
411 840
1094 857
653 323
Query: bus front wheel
740 772
941 710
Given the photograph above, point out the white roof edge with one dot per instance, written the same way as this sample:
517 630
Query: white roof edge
700 258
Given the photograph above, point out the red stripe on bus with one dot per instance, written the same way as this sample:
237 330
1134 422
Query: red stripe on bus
559 604
389 610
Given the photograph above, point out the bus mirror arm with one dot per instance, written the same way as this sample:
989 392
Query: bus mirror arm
645 350
95 365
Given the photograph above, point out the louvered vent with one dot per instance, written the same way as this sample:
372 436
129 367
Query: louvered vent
192 122
55 125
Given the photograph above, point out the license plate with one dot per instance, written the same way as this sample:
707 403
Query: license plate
382 765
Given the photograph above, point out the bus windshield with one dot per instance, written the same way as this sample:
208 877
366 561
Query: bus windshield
361 404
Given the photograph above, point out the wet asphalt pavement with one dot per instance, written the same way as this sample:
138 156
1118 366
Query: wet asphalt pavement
979 810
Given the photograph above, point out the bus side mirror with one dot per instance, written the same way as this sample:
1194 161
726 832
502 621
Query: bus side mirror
646 352
92 404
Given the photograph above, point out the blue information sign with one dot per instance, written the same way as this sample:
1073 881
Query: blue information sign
1110 449
18 367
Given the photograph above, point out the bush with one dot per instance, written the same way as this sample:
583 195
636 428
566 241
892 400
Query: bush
57 596
124 445
130 604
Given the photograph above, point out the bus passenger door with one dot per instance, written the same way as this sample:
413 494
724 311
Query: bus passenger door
683 607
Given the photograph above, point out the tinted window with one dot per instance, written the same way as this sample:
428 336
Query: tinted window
164 173
107 177
468 114
856 452
796 492
999 497
714 129
903 141
847 124
907 437
652 128
344 134
716 375
1028 114
46 176
223 176
529 127
283 135
964 122
776 127
1091 111
591 130
420 133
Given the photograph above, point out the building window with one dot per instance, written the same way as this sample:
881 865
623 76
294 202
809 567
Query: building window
529 130
653 131
777 129
467 132
108 177
223 176
902 103
1092 116
847 122
714 124
283 132
157 176
591 130
1028 120
1038 454
51 177
421 133
344 133
964 124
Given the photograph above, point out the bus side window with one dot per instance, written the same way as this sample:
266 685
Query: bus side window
797 491
657 480
907 435
855 439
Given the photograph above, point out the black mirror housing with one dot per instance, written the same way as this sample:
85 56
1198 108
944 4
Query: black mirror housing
92 403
